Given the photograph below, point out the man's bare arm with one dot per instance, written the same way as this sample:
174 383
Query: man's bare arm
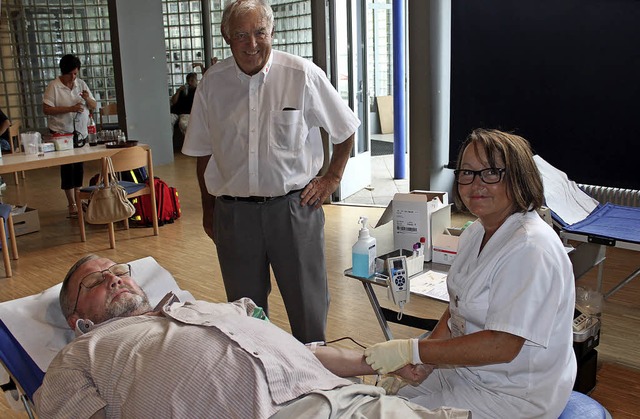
343 362
317 191
208 200
351 363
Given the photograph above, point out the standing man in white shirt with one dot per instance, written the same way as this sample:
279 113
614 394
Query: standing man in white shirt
255 130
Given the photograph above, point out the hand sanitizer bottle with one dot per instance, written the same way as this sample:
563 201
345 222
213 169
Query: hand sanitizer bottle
363 255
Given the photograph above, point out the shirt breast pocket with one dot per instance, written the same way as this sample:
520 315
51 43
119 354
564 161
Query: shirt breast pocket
287 130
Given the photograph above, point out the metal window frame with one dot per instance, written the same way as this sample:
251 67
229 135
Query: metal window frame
34 35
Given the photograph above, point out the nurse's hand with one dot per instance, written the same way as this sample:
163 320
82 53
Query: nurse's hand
415 374
389 356
391 384
409 374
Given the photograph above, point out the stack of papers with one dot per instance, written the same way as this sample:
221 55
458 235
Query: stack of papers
15 210
431 284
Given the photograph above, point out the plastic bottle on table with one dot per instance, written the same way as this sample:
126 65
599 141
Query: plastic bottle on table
91 131
363 253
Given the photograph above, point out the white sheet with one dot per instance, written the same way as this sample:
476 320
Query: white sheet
37 322
564 196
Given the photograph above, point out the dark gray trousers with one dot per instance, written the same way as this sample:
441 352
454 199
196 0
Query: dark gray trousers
250 237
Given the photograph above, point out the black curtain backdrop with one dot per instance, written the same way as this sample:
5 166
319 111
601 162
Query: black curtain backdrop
564 74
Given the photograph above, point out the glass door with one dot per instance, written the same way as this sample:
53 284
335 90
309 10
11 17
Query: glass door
348 61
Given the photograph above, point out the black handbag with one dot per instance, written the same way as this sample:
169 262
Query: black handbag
77 140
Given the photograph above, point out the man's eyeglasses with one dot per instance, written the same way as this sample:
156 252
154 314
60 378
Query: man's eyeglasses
488 176
260 35
96 278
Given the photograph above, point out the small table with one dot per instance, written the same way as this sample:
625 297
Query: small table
384 315
20 161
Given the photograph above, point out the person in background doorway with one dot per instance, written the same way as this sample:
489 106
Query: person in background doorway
182 101
67 101
504 346
255 131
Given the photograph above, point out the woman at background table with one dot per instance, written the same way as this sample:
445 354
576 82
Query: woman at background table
67 102
503 348
5 123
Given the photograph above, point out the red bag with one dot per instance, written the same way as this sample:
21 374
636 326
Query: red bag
167 203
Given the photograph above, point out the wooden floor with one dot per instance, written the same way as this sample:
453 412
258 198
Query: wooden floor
187 252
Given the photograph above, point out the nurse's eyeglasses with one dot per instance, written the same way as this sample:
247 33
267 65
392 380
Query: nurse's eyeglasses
488 176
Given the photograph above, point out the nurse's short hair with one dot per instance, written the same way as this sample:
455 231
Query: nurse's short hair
522 177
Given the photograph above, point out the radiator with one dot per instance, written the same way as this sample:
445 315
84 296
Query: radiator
618 196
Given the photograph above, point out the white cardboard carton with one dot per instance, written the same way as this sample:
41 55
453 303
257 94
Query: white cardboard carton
415 215
63 142
445 248
26 222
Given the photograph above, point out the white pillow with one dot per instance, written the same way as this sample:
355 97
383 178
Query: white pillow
37 323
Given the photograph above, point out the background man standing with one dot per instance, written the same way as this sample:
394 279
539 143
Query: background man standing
254 128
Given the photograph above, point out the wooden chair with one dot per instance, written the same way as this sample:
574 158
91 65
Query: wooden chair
14 141
107 110
124 160
7 220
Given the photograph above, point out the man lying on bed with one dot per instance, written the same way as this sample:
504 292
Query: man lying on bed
195 360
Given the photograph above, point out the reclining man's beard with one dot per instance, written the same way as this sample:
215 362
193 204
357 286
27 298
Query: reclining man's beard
125 307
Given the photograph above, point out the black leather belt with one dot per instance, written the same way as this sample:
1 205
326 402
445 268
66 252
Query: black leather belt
256 199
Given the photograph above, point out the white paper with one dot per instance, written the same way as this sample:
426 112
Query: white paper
431 284
564 196
15 210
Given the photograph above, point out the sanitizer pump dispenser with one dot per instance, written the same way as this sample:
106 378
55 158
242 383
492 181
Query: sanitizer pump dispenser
363 253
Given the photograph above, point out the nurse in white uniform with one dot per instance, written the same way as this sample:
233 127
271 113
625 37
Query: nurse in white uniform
503 348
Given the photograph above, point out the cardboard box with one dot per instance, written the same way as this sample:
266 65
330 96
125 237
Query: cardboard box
445 248
415 263
415 215
48 147
26 222
63 142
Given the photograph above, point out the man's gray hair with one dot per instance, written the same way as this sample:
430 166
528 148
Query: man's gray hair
64 297
236 8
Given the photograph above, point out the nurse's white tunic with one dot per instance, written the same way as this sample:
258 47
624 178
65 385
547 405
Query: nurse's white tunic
521 283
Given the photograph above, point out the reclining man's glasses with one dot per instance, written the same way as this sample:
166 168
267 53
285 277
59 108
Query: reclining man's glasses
488 176
96 278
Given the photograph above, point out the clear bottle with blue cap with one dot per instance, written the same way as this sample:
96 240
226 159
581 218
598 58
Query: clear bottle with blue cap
363 253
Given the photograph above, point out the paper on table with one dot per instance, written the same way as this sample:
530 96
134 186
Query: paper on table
15 210
564 196
431 284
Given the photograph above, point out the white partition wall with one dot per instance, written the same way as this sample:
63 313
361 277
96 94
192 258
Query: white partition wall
141 74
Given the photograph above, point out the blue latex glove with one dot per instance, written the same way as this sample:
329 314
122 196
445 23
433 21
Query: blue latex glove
389 356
